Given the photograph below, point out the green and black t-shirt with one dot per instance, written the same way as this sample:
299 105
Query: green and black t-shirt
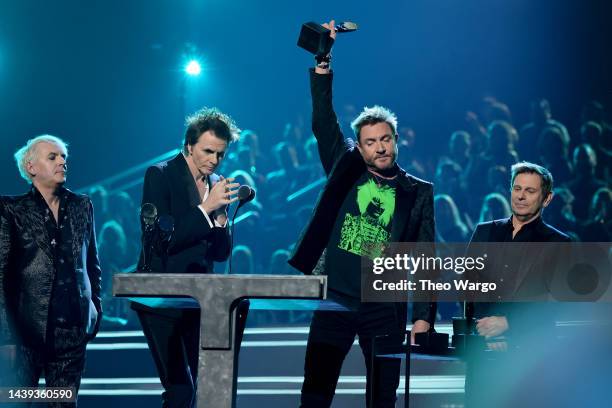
362 227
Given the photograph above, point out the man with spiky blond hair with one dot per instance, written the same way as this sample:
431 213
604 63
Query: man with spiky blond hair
49 273
367 203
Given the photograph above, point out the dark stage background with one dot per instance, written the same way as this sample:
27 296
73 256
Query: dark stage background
106 75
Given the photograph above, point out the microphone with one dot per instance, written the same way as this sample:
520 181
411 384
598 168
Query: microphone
165 229
148 218
148 214
346 27
157 233
245 194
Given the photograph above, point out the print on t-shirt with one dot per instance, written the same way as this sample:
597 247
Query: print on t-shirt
365 234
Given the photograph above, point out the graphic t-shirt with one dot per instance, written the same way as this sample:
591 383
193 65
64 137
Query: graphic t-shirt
362 227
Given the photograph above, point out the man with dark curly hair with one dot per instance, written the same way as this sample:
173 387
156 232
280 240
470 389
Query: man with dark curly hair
187 188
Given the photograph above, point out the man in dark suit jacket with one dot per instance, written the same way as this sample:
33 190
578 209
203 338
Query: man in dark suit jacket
49 272
531 193
187 189
525 268
367 200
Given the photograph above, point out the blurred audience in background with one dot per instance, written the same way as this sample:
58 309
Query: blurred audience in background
470 174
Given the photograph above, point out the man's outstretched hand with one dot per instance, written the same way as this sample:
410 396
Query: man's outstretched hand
332 27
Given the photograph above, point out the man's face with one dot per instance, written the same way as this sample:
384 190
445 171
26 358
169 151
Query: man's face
527 198
49 167
207 153
377 146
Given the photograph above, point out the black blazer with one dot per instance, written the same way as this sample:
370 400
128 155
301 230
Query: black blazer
27 273
194 245
343 164
494 231
533 276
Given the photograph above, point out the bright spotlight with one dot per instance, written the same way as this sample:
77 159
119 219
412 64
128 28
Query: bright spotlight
193 68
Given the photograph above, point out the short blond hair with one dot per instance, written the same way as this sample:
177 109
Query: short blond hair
28 153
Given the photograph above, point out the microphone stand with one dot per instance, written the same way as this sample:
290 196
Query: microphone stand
147 247
240 204
246 194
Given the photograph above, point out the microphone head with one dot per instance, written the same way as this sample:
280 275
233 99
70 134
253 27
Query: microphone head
346 27
148 214
245 194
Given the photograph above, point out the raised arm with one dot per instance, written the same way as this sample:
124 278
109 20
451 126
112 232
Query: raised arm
325 125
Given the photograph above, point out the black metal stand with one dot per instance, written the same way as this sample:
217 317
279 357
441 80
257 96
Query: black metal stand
382 348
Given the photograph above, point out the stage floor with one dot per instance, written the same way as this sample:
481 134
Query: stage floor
120 373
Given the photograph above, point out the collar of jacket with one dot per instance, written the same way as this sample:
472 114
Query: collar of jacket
403 180
533 225
179 162
62 192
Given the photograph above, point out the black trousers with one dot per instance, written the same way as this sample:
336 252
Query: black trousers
62 359
330 339
174 343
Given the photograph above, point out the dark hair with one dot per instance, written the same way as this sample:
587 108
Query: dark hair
552 142
601 198
213 120
458 136
540 110
501 134
445 199
587 150
488 205
532 168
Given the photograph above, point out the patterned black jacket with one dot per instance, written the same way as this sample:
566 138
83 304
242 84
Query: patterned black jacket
27 273
343 164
